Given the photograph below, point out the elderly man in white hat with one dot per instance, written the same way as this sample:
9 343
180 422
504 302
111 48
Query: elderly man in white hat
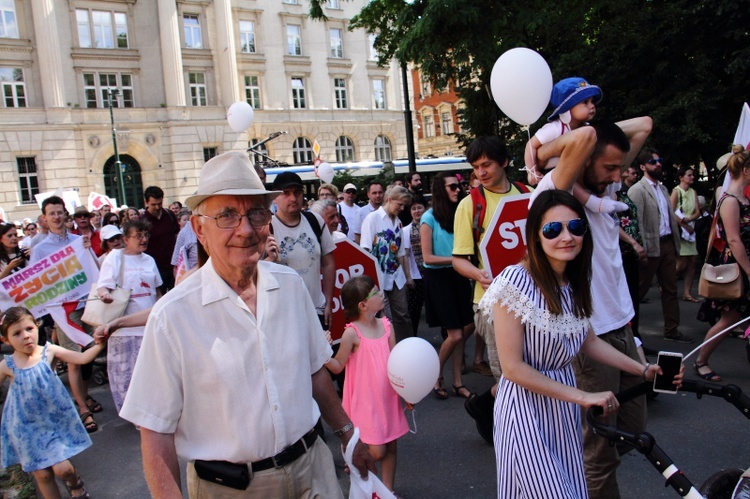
230 376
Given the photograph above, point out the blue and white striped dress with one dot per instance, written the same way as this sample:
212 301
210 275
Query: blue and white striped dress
538 442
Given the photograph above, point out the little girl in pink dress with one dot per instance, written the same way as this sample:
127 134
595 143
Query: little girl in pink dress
369 400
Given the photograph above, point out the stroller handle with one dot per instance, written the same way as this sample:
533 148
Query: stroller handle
645 443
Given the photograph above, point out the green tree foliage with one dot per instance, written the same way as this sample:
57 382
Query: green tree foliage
685 63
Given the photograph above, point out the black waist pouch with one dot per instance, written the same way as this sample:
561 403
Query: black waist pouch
236 476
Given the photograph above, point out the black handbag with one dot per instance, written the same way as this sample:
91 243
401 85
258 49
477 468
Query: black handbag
236 476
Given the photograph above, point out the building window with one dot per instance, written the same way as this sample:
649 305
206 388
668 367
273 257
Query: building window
8 24
382 148
333 4
302 151
97 85
252 91
102 29
192 26
344 149
429 126
425 87
27 179
293 39
298 93
209 152
372 53
378 93
292 2
247 37
197 85
337 44
339 90
14 89
446 121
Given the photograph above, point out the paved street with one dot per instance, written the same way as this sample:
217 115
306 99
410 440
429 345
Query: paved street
447 458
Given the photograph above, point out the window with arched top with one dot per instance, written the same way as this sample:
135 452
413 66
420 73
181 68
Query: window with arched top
344 149
302 151
382 148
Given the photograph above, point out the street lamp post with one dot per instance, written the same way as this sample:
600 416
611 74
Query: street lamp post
110 93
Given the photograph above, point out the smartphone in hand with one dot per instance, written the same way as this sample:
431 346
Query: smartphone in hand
670 363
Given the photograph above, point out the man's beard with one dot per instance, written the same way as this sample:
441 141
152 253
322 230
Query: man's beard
656 174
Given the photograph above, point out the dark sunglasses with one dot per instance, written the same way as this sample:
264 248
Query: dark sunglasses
653 161
576 227
453 187
351 191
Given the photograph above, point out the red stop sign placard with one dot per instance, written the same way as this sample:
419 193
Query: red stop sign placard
351 261
505 240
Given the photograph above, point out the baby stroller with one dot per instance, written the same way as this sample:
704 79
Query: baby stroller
725 484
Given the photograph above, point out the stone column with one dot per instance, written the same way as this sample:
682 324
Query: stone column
226 54
171 53
48 46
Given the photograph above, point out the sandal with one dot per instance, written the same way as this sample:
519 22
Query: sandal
91 404
690 299
91 426
457 392
440 390
709 376
81 485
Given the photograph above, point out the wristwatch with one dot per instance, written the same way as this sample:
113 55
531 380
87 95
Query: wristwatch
340 432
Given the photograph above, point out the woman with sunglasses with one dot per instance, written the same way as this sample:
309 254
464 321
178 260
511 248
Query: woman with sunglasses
447 293
12 258
540 310
110 219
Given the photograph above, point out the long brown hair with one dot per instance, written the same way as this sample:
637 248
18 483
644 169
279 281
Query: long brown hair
443 208
577 272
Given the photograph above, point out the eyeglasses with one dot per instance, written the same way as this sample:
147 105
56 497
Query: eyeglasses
454 186
375 291
141 236
82 215
232 219
577 227
351 191
653 161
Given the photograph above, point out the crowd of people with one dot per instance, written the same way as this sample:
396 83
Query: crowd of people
237 285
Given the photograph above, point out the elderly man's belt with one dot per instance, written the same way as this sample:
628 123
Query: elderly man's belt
288 455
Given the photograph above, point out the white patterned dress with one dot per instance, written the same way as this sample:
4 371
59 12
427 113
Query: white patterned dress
537 438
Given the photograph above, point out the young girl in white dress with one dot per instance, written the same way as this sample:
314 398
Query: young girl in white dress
540 310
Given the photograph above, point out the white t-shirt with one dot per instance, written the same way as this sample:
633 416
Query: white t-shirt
612 306
363 212
299 250
141 277
547 134
351 213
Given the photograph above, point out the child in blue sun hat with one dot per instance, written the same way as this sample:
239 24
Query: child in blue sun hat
574 101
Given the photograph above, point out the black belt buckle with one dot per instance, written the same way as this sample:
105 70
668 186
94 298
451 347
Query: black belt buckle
235 476
288 455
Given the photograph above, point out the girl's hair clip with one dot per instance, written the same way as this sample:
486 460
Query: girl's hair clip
2 319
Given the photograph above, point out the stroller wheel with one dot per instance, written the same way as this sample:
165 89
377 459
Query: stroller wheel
99 377
721 484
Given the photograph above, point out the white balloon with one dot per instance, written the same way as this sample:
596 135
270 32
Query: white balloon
325 172
240 116
521 84
413 368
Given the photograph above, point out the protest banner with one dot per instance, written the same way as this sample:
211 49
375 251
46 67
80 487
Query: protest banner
65 275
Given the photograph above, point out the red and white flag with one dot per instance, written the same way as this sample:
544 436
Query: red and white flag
60 313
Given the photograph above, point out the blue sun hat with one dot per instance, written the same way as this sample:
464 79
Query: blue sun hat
571 91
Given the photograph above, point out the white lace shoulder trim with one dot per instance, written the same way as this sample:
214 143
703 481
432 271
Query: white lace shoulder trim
506 292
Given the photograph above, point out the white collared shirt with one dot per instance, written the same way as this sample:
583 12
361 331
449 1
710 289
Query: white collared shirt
230 386
664 210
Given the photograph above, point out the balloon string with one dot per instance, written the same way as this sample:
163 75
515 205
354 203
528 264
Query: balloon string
413 419
716 336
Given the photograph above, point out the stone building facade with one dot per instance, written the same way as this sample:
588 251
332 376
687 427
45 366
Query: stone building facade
178 66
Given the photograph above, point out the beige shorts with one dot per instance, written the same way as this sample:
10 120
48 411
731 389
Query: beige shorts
486 331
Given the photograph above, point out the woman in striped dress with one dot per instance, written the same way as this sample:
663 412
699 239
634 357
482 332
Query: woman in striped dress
540 311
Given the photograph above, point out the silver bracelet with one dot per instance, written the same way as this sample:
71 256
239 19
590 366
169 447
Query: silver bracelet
645 370
341 431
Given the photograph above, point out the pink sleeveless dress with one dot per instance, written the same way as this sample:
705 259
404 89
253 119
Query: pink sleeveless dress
369 399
